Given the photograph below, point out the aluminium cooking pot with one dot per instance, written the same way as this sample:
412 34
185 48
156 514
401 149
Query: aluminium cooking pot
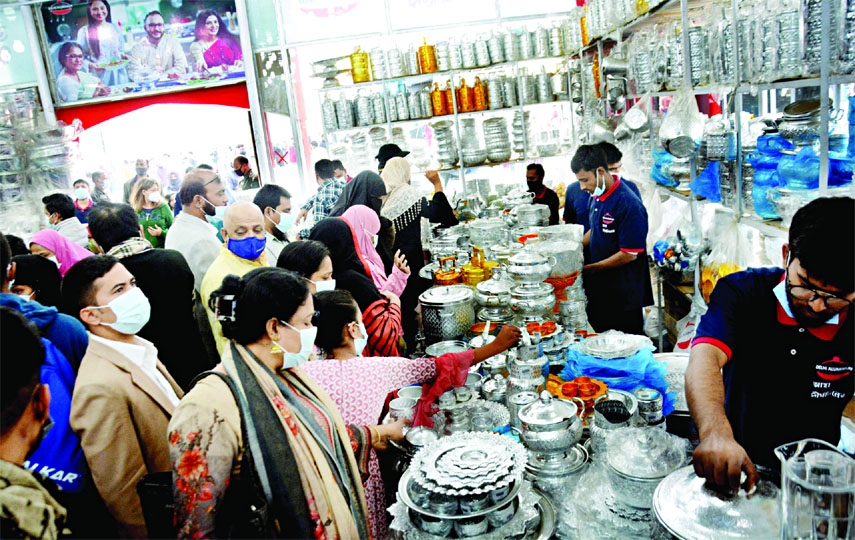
551 424
447 312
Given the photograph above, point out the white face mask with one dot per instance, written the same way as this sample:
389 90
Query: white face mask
307 341
599 190
52 259
132 311
154 197
374 240
26 297
325 285
81 193
360 342
286 220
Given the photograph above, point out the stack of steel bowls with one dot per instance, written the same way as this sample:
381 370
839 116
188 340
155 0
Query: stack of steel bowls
522 130
494 92
378 64
446 144
497 139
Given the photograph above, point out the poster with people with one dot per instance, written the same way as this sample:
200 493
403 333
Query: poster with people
99 50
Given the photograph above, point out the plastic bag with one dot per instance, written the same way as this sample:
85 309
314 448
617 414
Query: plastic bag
682 129
800 171
661 162
724 257
640 370
687 325
708 183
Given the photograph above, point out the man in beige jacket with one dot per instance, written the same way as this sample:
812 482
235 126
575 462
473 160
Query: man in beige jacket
124 397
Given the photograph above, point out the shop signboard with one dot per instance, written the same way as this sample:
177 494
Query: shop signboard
97 51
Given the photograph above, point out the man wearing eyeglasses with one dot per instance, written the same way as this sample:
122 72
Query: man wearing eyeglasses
772 360
157 54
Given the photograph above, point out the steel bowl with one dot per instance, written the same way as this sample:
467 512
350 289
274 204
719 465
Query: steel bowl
443 347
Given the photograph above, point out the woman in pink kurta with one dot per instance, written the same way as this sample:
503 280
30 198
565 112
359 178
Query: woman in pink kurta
359 386
364 224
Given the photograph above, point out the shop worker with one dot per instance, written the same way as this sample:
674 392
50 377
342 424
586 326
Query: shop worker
167 281
329 190
275 204
773 336
534 175
248 178
576 201
387 152
60 215
158 54
141 169
28 508
83 202
244 234
124 396
617 278
340 172
99 194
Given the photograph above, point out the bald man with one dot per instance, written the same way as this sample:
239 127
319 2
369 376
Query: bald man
243 233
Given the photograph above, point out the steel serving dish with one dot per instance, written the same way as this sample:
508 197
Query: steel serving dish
530 267
443 347
550 425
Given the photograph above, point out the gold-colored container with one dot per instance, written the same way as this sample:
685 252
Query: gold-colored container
427 58
465 97
479 92
360 66
472 275
437 101
489 267
449 96
447 275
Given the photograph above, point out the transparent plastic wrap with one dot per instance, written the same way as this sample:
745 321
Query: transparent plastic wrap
724 257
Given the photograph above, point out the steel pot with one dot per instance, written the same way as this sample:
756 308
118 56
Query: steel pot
680 136
533 214
530 267
532 301
550 424
493 293
447 312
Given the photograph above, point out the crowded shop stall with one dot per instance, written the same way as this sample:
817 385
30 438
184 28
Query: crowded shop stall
423 270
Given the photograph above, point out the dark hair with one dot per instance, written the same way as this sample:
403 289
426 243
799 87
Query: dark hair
241 159
80 181
337 164
324 169
194 184
94 44
78 285
97 175
40 274
821 238
17 245
205 167
21 357
589 157
5 259
112 223
335 310
613 154
222 32
65 49
304 257
262 294
269 196
59 203
537 168
149 14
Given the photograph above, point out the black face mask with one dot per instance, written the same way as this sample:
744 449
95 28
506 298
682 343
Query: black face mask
535 186
238 172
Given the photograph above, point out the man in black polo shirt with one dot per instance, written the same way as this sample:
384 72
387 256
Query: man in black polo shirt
534 175
772 358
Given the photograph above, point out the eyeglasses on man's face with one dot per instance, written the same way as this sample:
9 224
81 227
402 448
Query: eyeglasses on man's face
156 25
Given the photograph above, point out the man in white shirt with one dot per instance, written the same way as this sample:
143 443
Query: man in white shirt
158 52
124 396
201 194
60 216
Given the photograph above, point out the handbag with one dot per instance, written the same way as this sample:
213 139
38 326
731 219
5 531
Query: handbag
243 512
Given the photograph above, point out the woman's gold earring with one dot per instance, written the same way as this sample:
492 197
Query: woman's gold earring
276 348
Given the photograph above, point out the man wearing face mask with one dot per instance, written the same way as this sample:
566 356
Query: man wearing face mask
275 204
534 176
617 278
244 234
82 200
248 178
28 509
60 216
141 168
774 334
124 396
202 195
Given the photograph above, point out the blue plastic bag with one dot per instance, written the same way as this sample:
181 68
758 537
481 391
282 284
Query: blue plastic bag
660 160
640 370
708 183
764 181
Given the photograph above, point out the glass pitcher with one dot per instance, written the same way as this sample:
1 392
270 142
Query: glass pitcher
818 491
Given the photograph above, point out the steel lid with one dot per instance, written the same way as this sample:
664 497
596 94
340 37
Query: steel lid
528 257
547 411
446 295
494 287
690 510
645 453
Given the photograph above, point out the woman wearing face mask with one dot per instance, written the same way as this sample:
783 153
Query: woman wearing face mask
342 337
310 457
365 226
153 211
58 249
311 261
368 189
381 311
36 279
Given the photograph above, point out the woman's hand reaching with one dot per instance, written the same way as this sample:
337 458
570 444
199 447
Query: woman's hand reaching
401 263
